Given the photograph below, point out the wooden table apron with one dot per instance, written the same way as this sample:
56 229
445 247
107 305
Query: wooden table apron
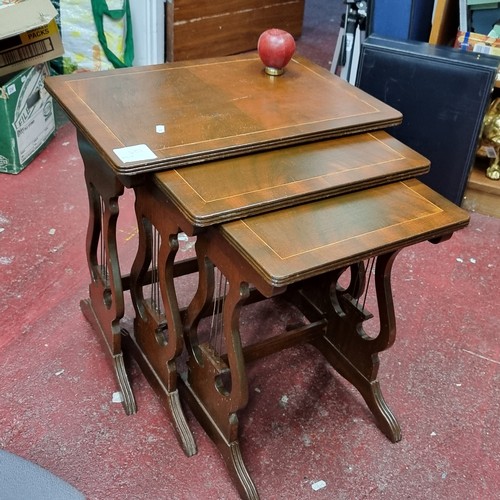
272 144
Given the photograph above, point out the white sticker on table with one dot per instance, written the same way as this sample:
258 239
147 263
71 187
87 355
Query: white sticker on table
139 152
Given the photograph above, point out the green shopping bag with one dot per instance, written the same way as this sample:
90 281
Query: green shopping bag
97 35
100 9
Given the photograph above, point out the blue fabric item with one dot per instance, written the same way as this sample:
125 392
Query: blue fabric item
402 19
23 480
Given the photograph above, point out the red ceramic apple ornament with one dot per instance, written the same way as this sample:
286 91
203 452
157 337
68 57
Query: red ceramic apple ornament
276 47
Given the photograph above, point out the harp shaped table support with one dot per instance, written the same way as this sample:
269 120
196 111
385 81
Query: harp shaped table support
104 309
334 327
157 337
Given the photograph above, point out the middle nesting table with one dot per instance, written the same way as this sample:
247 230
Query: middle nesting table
196 198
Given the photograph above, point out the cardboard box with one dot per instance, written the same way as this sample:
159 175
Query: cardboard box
28 34
475 42
27 120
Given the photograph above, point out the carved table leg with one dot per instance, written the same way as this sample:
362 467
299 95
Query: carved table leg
347 347
157 339
105 307
217 385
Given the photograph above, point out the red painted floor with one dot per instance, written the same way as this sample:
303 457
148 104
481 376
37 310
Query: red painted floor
303 423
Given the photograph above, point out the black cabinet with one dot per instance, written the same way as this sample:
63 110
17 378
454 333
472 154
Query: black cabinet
443 94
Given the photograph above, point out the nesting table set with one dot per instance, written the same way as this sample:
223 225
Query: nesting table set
291 186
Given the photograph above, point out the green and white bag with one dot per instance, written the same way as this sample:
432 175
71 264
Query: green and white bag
96 34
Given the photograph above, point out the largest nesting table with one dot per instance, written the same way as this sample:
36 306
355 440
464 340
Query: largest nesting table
287 183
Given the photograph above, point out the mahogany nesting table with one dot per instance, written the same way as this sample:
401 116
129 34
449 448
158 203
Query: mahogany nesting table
287 182
133 122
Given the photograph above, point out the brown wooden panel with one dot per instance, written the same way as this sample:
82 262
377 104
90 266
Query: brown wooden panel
212 109
186 10
445 22
208 29
224 190
310 239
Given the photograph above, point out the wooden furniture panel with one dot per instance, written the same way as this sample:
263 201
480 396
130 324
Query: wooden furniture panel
445 22
218 28
212 109
482 194
224 190
308 239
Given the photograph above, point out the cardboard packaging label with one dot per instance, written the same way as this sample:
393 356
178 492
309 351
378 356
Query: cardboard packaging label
28 34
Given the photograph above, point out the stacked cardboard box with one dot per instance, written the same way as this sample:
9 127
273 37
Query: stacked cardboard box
28 38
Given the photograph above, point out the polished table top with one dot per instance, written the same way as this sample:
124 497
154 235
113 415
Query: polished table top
314 238
224 190
153 118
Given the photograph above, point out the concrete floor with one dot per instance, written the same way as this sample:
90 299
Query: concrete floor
303 424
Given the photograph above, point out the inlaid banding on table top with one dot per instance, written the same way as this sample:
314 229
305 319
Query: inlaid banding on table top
213 108
330 233
223 190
